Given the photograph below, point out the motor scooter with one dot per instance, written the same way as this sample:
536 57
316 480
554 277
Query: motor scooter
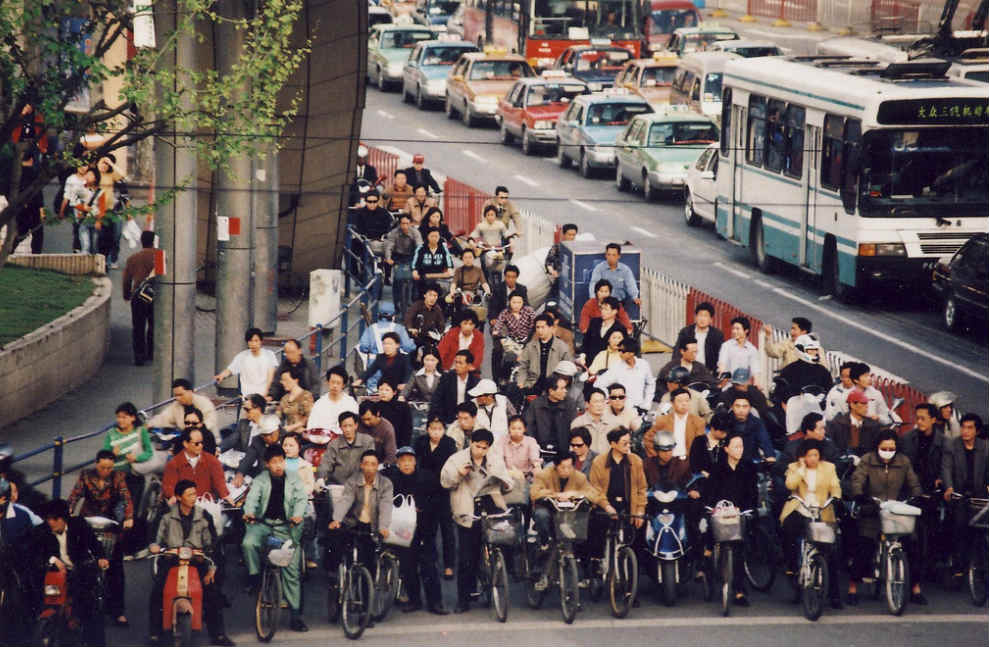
182 596
667 539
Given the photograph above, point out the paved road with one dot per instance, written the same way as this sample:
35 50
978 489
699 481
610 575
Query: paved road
898 332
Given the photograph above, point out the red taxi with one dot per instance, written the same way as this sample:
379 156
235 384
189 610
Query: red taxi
530 109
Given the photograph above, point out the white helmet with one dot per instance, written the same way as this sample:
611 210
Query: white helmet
362 151
566 368
805 343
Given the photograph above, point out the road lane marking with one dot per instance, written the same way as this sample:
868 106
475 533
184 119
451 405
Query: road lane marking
764 284
525 180
644 232
385 114
471 154
731 270
423 131
881 335
583 205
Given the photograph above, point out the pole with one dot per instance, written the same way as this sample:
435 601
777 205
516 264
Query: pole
175 225
234 222
265 199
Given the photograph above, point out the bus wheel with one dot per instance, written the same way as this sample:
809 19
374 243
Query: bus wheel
830 276
757 247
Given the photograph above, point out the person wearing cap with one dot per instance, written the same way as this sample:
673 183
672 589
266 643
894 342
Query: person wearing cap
464 474
664 469
947 420
362 171
741 384
269 429
683 425
786 349
751 429
634 374
807 370
678 378
739 352
539 358
418 175
854 431
594 419
696 371
493 409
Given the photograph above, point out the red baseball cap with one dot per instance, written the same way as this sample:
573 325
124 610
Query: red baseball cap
857 395
418 158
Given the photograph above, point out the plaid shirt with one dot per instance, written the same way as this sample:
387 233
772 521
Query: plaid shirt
102 501
518 328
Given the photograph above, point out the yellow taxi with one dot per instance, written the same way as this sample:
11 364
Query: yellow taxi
478 80
650 78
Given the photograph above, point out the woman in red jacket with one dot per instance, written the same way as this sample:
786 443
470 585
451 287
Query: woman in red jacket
462 336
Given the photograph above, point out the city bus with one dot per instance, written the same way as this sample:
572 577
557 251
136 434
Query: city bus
542 29
860 172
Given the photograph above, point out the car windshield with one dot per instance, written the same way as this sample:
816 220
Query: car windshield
712 86
698 42
673 133
614 114
755 52
443 55
583 19
498 70
920 172
658 76
602 59
667 20
541 95
404 39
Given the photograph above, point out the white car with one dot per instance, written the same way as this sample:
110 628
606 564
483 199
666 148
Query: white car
747 48
700 196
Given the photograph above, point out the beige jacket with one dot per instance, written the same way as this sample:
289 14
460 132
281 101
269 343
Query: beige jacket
462 494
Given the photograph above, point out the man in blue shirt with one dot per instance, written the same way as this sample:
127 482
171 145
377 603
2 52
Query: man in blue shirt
623 285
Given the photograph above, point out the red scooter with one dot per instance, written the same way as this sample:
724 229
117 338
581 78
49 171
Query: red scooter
56 620
182 599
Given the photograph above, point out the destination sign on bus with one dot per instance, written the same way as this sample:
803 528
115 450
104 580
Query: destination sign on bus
968 110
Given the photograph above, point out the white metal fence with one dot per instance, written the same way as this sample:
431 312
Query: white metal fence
664 304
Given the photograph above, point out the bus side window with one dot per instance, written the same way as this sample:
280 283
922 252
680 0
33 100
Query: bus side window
831 153
794 122
852 153
725 121
775 136
756 139
695 90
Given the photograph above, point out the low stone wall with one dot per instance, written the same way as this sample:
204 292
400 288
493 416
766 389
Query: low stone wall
93 264
42 366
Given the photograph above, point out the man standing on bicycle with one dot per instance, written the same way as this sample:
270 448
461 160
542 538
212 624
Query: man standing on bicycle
463 475
186 524
276 505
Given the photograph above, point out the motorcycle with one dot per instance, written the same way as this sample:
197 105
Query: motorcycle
182 597
494 258
475 300
667 539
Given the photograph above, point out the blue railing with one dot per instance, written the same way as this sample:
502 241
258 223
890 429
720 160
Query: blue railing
360 265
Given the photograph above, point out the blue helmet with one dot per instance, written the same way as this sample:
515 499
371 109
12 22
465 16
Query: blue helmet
386 310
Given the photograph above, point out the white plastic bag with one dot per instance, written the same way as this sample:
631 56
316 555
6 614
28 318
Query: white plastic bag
214 509
403 521
132 233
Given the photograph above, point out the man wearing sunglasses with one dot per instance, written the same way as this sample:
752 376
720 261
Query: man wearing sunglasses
193 464
373 221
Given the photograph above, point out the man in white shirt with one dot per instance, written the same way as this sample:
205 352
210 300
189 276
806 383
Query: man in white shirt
616 413
836 400
255 365
493 409
324 419
739 352
634 374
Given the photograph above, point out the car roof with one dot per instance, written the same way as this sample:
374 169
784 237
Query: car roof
704 29
483 56
744 43
601 97
541 80
665 115
598 48
668 61
446 43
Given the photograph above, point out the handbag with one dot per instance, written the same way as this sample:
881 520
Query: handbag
403 521
146 289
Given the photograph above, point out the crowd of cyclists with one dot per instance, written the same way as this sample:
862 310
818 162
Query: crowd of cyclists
558 453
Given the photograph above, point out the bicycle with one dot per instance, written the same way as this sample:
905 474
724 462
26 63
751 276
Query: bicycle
760 546
268 607
728 529
811 581
890 565
387 579
107 533
619 565
352 603
570 523
978 544
498 531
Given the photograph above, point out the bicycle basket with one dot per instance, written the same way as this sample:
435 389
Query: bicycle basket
820 532
726 525
896 524
571 525
502 529
977 516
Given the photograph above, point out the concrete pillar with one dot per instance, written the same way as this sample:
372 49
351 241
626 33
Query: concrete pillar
265 200
175 224
234 276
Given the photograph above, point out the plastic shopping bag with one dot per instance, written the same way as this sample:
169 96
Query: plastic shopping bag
403 521
132 233
214 509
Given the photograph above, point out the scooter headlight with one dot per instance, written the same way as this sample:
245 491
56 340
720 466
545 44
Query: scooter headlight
666 518
185 553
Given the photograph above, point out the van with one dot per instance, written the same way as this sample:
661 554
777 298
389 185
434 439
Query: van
697 82
663 18
972 64
862 49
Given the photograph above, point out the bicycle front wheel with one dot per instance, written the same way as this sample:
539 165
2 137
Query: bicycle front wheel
569 588
623 581
385 585
268 607
815 587
757 558
726 571
357 602
499 585
897 580
978 587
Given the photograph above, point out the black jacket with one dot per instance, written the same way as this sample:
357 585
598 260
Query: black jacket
755 396
400 416
800 374
549 422
701 458
422 178
304 371
444 402
418 484
736 485
431 462
954 468
840 431
928 467
253 461
398 371
499 298
593 342
712 345
373 224
81 544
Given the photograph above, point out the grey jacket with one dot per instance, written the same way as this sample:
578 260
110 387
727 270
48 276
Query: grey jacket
202 535
393 238
529 360
954 468
461 493
352 499
341 460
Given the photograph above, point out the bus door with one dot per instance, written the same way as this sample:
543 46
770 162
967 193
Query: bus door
808 250
736 223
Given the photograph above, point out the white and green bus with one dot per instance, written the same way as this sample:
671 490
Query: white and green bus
861 172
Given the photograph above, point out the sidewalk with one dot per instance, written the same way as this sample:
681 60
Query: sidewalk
800 39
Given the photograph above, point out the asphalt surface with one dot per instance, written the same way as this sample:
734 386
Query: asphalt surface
897 331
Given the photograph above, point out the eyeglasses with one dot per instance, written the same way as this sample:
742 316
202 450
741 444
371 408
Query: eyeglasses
616 397
578 445
371 201
197 443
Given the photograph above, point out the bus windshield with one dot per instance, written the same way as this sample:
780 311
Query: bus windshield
673 133
667 20
712 86
904 171
542 95
581 19
614 114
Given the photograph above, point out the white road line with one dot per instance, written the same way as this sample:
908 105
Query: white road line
385 114
731 270
524 180
471 154
764 284
644 232
881 335
666 621
426 133
583 205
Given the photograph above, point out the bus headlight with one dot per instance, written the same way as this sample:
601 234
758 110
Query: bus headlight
882 249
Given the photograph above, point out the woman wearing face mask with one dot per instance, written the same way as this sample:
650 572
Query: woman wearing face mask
733 480
882 474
